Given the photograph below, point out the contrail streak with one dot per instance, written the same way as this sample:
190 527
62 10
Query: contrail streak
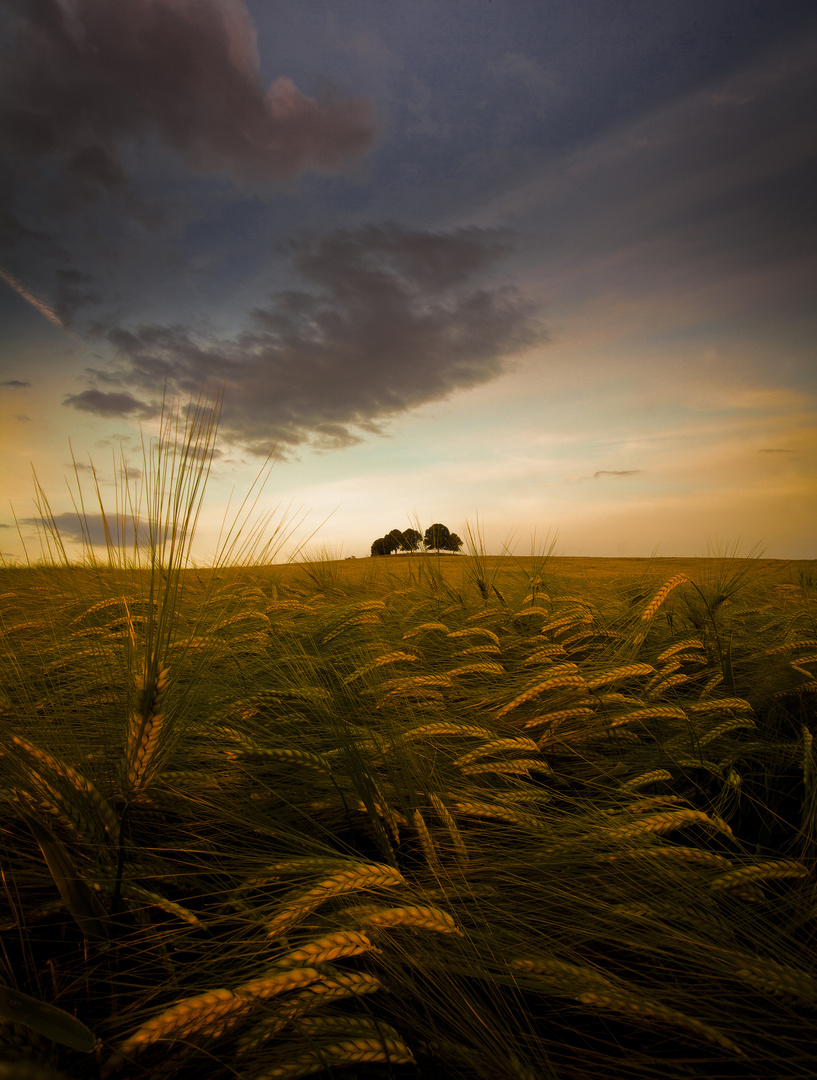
32 298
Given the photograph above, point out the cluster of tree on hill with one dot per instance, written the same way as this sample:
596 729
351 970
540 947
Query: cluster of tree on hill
437 538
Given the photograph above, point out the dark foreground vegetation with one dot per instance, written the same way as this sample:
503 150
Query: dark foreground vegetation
474 818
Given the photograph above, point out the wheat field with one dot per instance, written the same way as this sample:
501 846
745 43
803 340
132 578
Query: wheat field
411 816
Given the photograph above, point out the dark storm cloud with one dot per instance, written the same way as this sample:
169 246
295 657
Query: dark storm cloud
72 294
84 76
114 404
392 319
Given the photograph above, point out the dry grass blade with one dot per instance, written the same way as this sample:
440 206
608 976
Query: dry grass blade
47 1020
85 906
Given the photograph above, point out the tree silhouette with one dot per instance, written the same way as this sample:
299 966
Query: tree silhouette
412 539
385 545
439 538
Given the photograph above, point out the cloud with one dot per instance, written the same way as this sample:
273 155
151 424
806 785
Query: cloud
91 528
83 77
113 404
72 294
16 383
391 319
616 472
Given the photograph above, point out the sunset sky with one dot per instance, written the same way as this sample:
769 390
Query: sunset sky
548 262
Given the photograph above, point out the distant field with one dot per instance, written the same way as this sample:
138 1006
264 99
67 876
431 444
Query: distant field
571 570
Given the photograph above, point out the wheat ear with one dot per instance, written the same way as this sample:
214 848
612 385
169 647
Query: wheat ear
558 677
624 1003
779 868
331 988
366 876
447 819
661 596
354 1051
144 728
327 948
414 915
663 823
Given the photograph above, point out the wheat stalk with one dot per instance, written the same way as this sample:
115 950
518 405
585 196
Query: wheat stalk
553 719
426 842
775 979
472 631
414 915
668 851
331 988
808 643
545 654
473 808
359 877
495 747
661 596
144 728
330 947
779 868
486 668
626 1004
479 650
560 971
448 820
516 766
718 705
679 646
558 678
647 778
424 628
724 729
617 674
206 1013
663 823
354 1051
650 712
78 782
381 661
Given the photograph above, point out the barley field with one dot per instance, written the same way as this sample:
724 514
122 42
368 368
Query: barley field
412 816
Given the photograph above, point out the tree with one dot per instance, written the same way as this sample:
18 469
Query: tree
411 539
396 537
385 545
439 538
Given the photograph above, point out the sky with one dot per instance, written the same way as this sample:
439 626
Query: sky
541 269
